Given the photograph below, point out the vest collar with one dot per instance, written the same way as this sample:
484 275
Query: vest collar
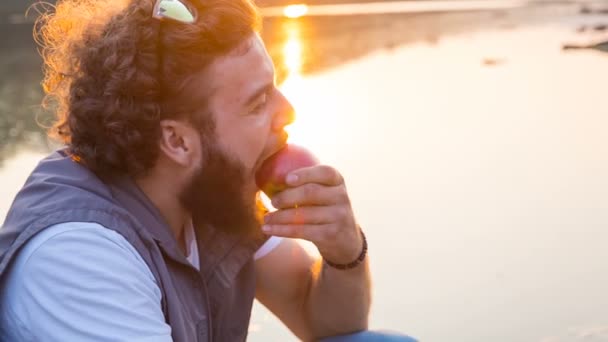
127 193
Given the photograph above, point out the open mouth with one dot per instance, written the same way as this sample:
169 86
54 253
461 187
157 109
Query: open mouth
281 143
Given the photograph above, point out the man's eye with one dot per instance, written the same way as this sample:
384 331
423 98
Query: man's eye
261 104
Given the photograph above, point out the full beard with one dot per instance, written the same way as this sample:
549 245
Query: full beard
216 195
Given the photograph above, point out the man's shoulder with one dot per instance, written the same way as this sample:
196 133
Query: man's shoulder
73 247
78 234
69 268
66 240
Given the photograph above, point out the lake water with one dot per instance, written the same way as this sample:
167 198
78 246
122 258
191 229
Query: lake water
475 154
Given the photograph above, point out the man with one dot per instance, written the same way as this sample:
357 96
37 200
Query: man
147 226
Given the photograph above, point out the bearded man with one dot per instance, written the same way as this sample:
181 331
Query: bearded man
147 225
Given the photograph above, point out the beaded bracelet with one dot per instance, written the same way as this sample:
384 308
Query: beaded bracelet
357 261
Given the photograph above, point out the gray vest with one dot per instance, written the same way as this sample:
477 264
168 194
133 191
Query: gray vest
213 304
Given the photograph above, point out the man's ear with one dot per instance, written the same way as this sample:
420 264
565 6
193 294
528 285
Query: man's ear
178 141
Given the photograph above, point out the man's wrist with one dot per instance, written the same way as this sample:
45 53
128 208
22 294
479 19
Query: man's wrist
360 258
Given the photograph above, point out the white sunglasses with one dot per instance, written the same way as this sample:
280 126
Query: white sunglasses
174 10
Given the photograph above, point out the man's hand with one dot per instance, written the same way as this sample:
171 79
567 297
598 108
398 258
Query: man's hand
316 207
315 300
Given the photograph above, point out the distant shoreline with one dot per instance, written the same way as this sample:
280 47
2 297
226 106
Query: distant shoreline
390 7
13 11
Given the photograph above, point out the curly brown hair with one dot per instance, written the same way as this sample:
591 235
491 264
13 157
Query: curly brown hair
112 72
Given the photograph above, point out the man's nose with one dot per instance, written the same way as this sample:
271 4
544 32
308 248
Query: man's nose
285 113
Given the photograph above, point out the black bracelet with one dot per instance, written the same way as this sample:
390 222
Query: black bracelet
357 261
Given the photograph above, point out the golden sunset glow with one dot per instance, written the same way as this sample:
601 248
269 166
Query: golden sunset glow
292 86
315 114
295 11
292 52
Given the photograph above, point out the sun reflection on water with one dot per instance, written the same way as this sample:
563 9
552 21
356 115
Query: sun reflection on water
294 87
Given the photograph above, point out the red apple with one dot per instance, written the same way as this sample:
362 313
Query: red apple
270 177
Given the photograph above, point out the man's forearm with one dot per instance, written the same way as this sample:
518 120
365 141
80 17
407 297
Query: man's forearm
339 300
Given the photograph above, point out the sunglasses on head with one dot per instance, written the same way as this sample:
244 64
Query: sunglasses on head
173 10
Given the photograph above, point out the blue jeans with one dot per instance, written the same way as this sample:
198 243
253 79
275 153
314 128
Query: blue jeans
371 336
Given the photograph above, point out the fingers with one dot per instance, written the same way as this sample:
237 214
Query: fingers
320 174
312 186
307 232
315 206
301 215
311 194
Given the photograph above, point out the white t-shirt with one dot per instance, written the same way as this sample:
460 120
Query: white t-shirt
80 281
